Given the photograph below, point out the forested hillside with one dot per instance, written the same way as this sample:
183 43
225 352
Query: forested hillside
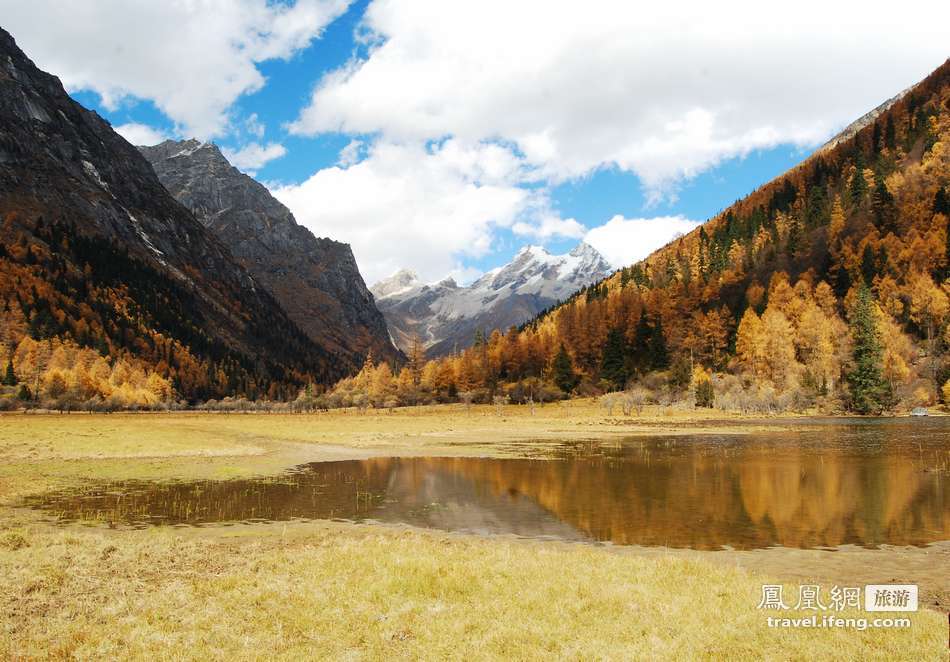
826 287
96 255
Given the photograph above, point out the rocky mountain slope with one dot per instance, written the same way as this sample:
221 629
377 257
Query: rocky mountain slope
446 317
315 280
95 250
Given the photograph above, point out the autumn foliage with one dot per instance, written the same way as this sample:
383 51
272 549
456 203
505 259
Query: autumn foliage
763 296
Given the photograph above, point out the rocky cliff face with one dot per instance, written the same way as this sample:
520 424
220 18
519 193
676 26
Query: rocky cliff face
315 280
115 261
446 316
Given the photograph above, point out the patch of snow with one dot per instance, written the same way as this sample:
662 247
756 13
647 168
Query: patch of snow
192 147
145 238
532 272
92 172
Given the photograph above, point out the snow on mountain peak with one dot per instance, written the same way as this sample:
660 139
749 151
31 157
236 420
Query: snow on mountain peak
400 282
446 316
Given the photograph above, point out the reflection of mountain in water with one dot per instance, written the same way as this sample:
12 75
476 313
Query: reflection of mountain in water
419 491
437 493
844 485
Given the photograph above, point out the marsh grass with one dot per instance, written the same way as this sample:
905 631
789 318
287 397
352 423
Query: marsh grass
50 451
358 592
338 591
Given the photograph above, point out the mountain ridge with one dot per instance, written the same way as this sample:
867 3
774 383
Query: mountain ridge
96 251
446 317
316 280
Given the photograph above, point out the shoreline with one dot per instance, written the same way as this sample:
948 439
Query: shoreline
39 453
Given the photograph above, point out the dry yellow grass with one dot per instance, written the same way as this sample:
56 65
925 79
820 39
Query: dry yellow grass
359 592
351 591
39 451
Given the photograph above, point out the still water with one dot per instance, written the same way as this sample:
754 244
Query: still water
827 484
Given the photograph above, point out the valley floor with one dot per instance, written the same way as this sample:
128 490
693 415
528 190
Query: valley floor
329 589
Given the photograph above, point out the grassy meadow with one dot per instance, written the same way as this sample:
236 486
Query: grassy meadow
351 591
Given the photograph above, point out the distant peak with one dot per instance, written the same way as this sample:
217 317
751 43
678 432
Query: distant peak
404 276
401 281
583 249
448 282
171 149
533 250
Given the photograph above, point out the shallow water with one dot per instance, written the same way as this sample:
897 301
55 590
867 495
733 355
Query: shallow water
833 483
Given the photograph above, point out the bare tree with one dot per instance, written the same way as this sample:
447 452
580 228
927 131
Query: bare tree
610 401
500 401
635 399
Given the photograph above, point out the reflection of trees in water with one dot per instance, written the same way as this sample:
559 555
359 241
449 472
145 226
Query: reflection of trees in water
683 494
703 499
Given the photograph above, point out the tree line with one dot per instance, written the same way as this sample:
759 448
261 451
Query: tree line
826 288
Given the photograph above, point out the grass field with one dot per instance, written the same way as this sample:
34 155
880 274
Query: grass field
334 590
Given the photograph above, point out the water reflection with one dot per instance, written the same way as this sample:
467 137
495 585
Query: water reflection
861 484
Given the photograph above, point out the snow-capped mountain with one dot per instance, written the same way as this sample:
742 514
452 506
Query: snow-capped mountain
446 316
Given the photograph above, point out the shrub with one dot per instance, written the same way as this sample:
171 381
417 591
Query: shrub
705 395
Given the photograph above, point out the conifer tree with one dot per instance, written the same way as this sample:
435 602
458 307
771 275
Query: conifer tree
942 202
564 375
659 357
417 359
613 368
9 377
859 187
885 210
870 392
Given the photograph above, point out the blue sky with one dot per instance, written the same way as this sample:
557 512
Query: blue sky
444 136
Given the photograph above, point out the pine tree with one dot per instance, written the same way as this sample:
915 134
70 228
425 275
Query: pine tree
9 377
868 265
870 392
705 394
612 367
564 375
890 138
859 187
659 357
942 202
885 209
417 359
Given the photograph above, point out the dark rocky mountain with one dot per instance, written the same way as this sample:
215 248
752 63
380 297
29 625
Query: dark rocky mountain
446 317
315 280
94 249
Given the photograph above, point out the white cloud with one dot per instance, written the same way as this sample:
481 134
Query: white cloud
550 226
623 241
423 206
664 90
192 59
141 134
350 154
254 156
253 126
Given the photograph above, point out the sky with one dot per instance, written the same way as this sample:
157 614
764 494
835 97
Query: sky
443 135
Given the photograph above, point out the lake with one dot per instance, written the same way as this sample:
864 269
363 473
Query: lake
828 483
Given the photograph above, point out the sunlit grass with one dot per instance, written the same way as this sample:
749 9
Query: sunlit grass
361 592
336 591
42 451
